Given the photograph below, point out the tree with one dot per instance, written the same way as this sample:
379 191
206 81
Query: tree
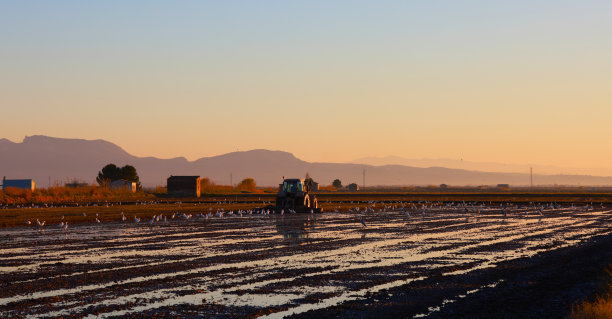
108 174
112 172
247 184
337 183
128 172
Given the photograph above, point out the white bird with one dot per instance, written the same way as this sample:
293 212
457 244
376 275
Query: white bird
61 225
65 227
136 219
28 222
363 222
84 214
97 220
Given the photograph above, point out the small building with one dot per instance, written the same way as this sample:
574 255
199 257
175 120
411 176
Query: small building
122 184
353 187
315 186
184 186
18 183
75 184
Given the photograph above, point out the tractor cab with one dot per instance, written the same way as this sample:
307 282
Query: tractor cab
292 186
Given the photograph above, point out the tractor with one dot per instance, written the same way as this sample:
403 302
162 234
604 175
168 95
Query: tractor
296 195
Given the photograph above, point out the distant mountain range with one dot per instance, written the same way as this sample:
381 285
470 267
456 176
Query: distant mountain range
59 160
478 166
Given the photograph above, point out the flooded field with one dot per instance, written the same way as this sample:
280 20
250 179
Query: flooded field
271 265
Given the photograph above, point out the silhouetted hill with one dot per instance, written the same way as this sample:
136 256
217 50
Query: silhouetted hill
481 166
41 158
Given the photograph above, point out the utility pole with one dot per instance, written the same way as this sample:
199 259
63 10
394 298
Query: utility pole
531 177
364 178
231 180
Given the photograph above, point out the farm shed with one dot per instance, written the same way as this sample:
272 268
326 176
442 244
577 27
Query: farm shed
18 183
123 184
184 186
315 186
75 184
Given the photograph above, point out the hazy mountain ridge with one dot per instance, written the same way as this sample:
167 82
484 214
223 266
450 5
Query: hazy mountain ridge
43 158
479 166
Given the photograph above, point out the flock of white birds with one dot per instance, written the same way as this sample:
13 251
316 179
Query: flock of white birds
409 208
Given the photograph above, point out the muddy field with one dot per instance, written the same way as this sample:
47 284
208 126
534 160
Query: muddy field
400 259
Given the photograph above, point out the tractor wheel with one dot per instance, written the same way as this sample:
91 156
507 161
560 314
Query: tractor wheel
306 201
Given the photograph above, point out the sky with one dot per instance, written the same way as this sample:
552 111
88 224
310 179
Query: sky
525 82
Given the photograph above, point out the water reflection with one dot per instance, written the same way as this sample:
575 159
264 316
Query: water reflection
295 228
252 261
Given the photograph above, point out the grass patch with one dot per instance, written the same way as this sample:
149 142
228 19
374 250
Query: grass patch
62 195
601 306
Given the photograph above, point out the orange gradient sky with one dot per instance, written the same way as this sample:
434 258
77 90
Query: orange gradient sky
526 82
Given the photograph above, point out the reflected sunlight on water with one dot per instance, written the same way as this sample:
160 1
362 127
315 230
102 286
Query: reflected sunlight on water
292 263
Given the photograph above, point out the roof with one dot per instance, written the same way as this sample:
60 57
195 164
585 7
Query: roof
121 181
183 177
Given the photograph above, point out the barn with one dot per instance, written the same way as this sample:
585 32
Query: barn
184 186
